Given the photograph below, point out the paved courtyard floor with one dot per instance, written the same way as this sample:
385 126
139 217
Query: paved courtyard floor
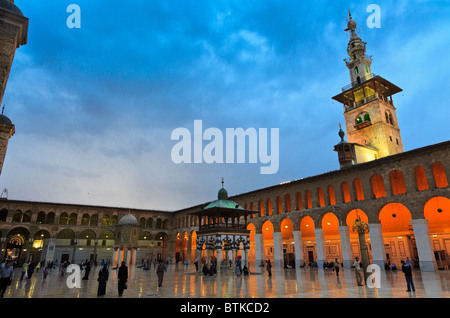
181 281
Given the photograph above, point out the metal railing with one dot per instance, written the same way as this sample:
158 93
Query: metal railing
355 83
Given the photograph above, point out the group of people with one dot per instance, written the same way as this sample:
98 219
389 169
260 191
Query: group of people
406 269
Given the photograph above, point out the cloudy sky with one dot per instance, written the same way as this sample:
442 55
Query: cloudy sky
95 107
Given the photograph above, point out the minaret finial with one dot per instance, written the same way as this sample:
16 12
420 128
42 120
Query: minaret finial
222 182
349 15
3 109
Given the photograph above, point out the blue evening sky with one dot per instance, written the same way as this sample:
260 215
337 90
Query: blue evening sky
94 108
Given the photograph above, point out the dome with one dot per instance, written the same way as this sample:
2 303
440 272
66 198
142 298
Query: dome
11 7
222 194
5 120
351 25
128 220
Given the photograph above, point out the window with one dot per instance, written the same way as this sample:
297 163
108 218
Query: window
359 120
366 117
356 70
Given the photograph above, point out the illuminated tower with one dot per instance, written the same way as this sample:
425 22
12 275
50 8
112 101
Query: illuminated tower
370 118
13 33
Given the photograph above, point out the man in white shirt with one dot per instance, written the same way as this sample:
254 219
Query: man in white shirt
357 267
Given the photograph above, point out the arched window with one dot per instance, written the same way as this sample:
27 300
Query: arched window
366 117
320 196
345 192
421 178
358 120
378 188
308 199
358 189
287 203
298 197
397 182
439 175
331 195
63 218
356 70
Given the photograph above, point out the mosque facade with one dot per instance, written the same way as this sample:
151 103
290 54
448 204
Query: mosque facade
403 196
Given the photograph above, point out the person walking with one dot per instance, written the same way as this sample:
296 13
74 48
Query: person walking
269 268
123 277
357 267
103 275
336 267
160 272
24 269
87 270
406 269
6 275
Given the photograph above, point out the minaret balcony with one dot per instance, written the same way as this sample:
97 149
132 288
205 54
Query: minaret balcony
361 80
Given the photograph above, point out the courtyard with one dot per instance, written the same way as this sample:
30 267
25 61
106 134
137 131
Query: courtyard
181 281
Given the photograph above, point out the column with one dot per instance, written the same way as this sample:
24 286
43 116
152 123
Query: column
377 244
320 247
30 246
50 250
115 257
259 252
346 246
278 248
219 258
75 242
298 247
95 250
246 257
423 242
133 259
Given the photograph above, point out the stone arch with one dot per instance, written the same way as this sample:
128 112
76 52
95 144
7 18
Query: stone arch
307 227
437 211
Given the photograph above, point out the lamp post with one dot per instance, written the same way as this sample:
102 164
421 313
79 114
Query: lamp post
361 228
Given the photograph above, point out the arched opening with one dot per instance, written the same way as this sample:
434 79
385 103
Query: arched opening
398 233
359 193
331 195
261 208
378 186
309 240
85 219
63 218
41 217
352 216
320 197
397 182
308 199
269 206
267 231
421 178
345 192
437 212
332 239
279 205
298 199
287 233
439 175
287 203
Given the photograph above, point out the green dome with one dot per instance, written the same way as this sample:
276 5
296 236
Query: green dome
222 194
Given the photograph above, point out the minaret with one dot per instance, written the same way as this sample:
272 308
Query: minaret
13 34
370 118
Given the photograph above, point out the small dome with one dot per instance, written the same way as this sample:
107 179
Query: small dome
11 7
5 120
128 220
351 25
222 194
